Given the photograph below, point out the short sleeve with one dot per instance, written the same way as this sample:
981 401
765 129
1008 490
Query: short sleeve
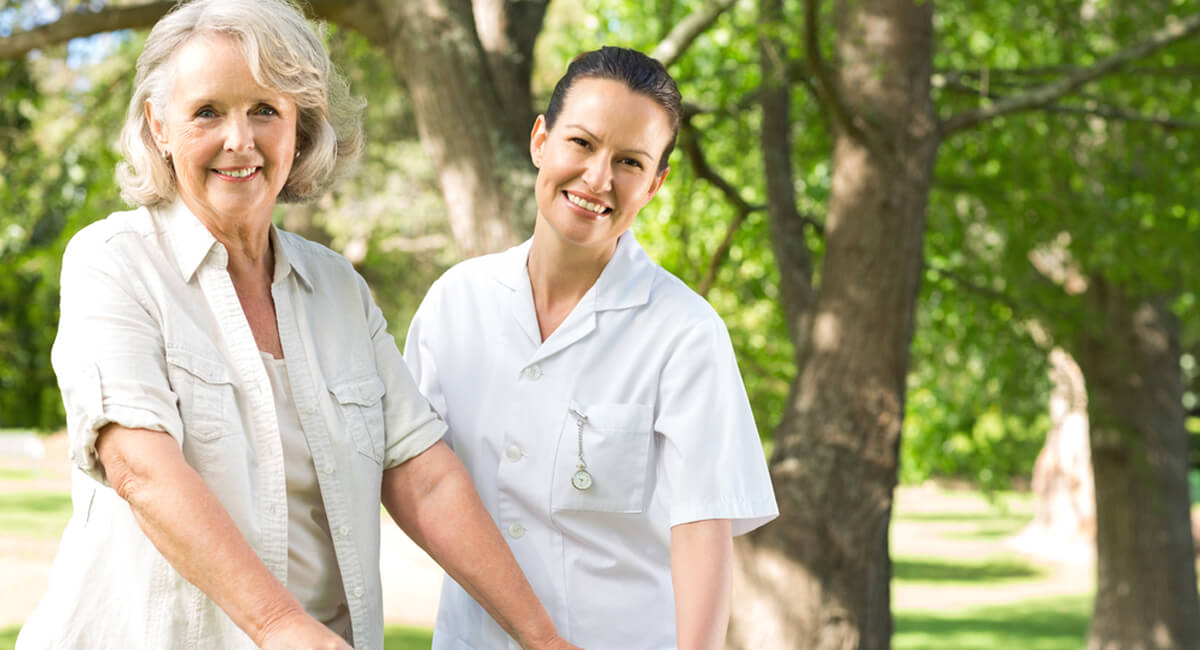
411 424
108 354
712 457
419 346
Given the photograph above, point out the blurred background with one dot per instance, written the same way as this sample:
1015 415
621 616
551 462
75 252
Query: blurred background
957 247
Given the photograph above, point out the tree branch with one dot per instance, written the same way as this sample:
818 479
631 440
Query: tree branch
1049 93
77 24
691 146
825 86
686 31
82 23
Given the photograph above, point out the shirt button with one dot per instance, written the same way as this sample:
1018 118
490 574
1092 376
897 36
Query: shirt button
516 531
342 531
513 453
358 592
327 468
534 372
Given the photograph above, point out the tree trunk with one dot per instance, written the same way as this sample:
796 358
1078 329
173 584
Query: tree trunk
1146 578
485 177
1064 514
824 564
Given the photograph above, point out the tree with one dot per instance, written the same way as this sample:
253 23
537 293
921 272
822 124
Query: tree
820 576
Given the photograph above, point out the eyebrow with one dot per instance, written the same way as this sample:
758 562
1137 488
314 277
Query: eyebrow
595 137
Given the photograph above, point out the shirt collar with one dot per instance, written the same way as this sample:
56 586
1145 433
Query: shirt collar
625 281
191 243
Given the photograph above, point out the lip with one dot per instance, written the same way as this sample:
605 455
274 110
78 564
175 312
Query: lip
584 212
230 179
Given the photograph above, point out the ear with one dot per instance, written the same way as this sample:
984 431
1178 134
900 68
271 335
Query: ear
157 128
658 182
537 140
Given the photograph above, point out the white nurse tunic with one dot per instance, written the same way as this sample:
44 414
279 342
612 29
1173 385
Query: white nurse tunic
667 438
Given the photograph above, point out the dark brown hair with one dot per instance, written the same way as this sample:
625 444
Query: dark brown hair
640 74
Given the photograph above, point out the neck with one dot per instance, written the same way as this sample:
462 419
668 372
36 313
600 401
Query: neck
559 275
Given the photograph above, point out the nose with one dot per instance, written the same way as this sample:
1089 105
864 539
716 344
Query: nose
239 135
598 175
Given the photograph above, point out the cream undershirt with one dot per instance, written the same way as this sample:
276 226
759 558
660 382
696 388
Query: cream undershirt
313 576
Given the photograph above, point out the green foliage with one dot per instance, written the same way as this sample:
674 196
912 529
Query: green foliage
56 125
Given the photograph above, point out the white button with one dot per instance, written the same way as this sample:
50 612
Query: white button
513 453
307 409
516 531
327 468
534 372
342 531
358 592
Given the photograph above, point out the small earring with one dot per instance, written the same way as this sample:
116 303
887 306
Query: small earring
166 155
297 153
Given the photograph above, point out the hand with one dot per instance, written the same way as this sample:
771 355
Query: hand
302 632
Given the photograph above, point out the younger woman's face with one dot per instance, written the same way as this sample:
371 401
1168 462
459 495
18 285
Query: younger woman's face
598 166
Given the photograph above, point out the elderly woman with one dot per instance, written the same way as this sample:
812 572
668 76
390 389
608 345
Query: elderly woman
594 398
236 405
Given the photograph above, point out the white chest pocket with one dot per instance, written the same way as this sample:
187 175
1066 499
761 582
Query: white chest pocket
359 401
205 391
616 440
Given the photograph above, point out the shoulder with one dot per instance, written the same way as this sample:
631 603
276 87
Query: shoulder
478 274
671 297
113 231
322 263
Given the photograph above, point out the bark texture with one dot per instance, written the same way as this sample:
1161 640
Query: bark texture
823 568
1146 596
484 176
1064 498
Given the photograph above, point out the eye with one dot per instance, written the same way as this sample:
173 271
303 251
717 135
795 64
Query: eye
581 142
206 113
266 110
632 163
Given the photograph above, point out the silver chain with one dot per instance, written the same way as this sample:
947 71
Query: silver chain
580 420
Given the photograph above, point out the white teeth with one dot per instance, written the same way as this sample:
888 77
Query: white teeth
237 173
585 204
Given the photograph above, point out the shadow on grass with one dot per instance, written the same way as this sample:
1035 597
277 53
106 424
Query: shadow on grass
927 570
35 514
1043 624
402 637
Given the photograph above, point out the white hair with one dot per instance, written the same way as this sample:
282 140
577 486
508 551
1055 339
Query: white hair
285 54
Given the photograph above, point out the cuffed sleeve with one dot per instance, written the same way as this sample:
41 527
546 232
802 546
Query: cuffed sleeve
411 425
108 354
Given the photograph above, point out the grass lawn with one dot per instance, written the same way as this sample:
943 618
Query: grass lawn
37 514
395 637
1043 624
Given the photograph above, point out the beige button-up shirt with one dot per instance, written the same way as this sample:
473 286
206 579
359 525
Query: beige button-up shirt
152 336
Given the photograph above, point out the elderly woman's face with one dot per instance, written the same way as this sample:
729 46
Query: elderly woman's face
231 141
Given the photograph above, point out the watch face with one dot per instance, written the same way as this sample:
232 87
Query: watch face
581 480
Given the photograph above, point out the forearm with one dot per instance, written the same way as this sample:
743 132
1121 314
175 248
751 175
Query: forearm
432 499
702 572
187 524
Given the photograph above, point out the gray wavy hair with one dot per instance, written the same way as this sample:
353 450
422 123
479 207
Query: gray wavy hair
285 54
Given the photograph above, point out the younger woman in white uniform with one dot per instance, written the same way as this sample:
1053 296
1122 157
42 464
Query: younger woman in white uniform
593 397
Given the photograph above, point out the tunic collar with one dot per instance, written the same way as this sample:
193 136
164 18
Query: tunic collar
625 281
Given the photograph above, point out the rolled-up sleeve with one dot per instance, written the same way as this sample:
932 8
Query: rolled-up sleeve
712 457
411 425
108 354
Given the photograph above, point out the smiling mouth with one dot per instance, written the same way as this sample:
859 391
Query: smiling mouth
586 204
237 174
